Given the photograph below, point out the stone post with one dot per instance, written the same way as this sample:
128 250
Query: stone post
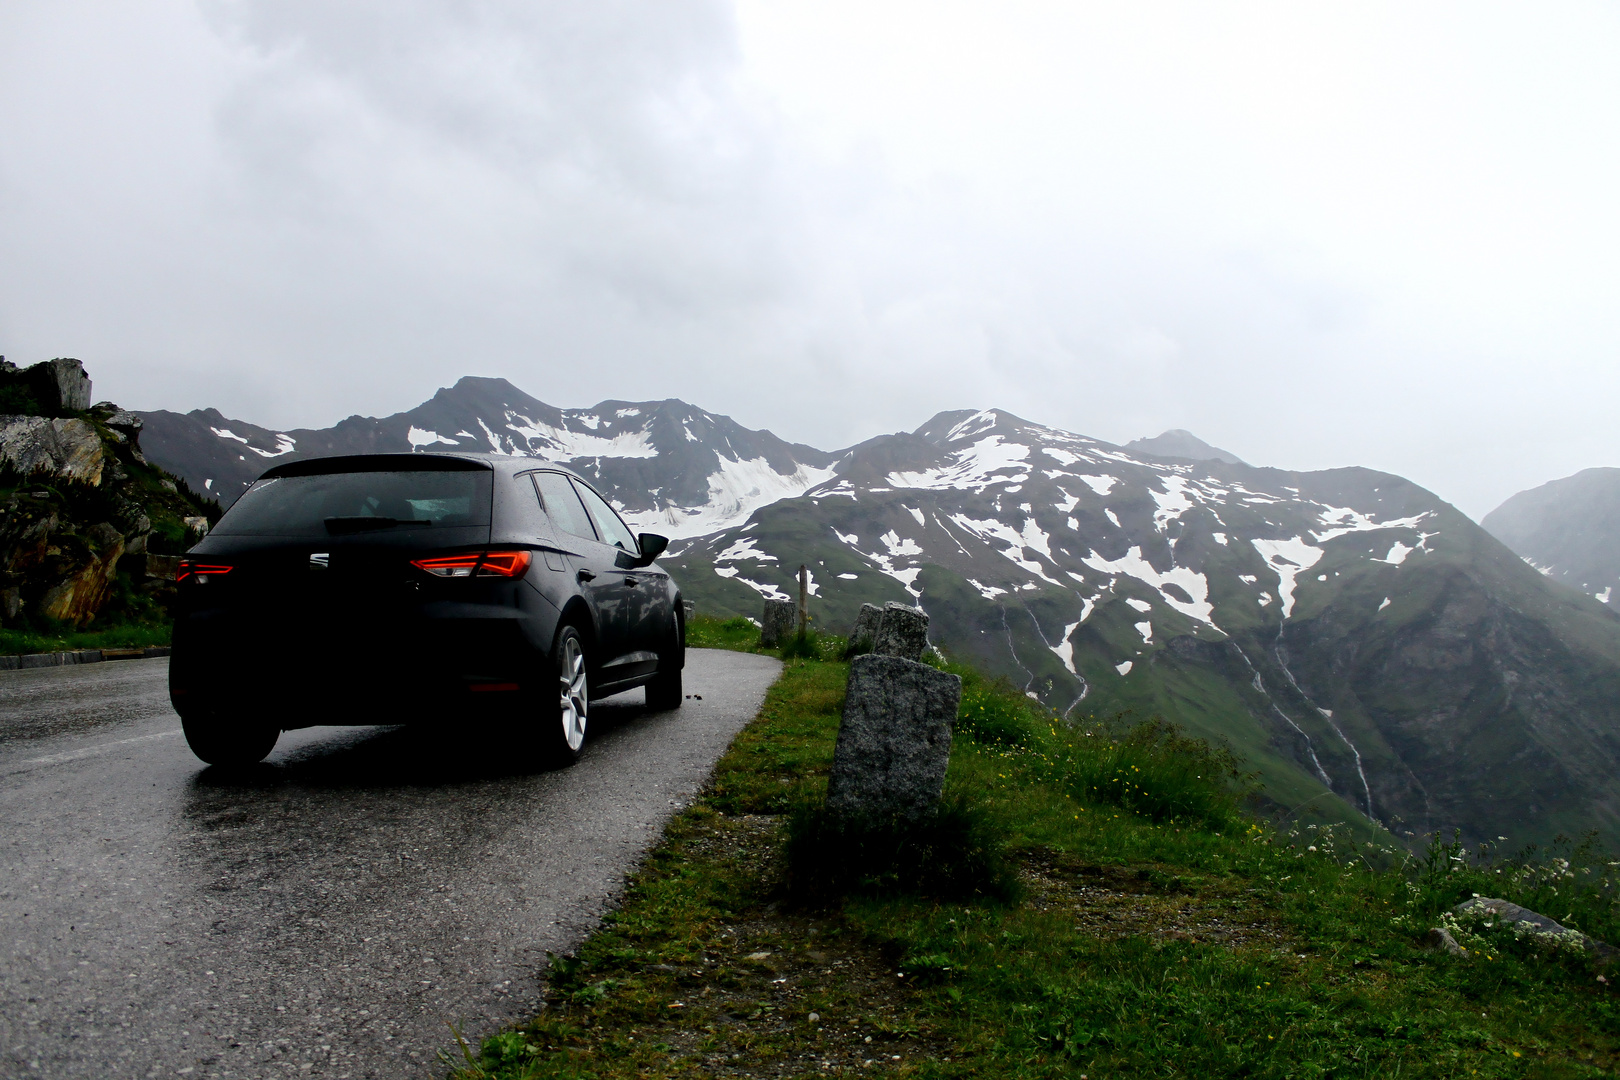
776 624
894 741
903 631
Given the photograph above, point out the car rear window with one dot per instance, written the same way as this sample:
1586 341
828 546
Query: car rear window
328 504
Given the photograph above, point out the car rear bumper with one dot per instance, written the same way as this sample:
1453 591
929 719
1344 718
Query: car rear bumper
416 670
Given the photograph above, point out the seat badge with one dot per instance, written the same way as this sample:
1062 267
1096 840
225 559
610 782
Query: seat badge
320 560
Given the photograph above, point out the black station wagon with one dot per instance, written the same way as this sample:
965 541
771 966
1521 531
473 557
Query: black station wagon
451 589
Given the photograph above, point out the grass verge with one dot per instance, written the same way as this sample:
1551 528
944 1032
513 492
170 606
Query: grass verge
67 639
1156 931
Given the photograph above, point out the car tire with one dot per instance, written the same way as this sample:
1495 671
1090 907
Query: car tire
229 742
565 710
665 690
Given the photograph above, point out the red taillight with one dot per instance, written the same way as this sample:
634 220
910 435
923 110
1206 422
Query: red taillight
449 565
200 570
506 564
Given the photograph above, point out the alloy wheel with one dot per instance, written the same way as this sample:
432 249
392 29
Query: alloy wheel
574 702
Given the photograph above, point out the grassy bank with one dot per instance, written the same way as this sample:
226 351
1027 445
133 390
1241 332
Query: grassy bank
1152 929
67 639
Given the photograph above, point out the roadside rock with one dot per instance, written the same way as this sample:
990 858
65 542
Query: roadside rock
69 449
76 599
903 632
894 741
1531 923
776 624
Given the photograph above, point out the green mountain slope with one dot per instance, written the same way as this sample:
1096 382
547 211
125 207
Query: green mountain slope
1360 642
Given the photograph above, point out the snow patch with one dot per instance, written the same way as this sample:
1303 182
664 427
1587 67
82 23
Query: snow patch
918 514
1288 558
417 437
1220 538
1384 605
1146 630
989 592
744 549
973 425
227 433
1194 584
1342 520
1397 554
1140 605
765 589
991 529
976 467
1065 648
1123 667
560 444
736 489
1102 485
848 577
286 445
1173 502
899 546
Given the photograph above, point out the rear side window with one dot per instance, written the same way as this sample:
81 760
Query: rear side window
608 524
328 504
562 505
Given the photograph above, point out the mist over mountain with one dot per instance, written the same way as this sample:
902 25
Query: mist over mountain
1363 645
1568 529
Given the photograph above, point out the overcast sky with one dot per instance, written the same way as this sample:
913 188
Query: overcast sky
1314 234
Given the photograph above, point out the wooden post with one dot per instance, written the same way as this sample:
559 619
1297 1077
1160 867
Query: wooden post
804 600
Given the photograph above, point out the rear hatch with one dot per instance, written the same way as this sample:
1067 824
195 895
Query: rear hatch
319 581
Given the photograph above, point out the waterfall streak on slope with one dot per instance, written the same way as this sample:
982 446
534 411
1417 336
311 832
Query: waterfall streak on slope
1259 684
1277 651
1002 608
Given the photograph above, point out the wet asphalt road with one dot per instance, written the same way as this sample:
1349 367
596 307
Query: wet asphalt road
327 914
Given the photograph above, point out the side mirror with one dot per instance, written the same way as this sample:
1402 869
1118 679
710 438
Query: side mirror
652 545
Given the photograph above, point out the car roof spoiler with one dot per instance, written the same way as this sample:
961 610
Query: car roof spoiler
379 463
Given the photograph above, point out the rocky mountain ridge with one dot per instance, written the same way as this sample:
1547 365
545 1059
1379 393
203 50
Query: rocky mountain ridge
668 466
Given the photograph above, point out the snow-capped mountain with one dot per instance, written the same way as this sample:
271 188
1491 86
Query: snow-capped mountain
1346 631
669 467
1359 642
1568 529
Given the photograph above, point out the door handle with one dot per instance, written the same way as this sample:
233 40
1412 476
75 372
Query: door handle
587 575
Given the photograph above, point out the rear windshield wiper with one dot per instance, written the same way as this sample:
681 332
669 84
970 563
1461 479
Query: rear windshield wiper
340 525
